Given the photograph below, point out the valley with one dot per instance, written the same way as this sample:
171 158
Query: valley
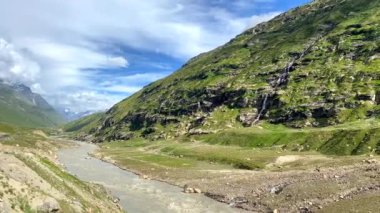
258 179
284 117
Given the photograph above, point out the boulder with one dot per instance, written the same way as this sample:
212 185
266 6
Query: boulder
276 190
4 136
247 118
123 136
49 205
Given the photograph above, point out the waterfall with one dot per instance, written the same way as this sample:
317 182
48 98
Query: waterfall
284 76
263 108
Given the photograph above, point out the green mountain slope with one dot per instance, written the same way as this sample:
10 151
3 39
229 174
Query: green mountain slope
314 66
86 124
19 106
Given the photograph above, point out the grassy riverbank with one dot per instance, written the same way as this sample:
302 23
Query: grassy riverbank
242 167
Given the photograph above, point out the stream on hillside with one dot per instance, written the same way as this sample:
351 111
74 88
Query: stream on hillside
136 195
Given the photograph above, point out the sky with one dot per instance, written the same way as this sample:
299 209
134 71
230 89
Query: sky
87 55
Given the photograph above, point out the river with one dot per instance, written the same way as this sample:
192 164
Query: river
136 195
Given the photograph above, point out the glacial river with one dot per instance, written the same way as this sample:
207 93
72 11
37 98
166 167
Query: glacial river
136 195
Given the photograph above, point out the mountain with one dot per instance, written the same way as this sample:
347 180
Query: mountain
20 106
315 66
70 115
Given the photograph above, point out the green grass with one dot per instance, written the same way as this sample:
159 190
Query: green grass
21 136
348 139
252 148
84 124
334 76
184 153
15 110
24 205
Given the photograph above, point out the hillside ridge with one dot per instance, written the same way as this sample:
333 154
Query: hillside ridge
315 66
20 106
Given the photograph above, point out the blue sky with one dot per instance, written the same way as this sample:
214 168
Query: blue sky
90 54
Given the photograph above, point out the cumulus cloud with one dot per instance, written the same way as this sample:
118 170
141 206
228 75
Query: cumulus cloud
118 61
14 66
82 101
63 48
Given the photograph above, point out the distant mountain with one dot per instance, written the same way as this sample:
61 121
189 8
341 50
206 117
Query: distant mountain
20 106
315 66
70 115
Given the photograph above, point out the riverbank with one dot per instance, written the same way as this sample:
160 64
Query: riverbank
272 179
32 180
135 194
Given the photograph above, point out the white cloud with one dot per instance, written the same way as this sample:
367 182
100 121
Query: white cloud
58 47
122 89
14 66
82 101
118 61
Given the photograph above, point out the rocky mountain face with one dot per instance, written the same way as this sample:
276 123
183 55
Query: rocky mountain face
316 65
20 106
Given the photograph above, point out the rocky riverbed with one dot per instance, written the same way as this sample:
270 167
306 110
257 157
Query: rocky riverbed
135 193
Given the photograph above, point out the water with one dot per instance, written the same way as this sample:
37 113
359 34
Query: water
136 195
263 108
283 77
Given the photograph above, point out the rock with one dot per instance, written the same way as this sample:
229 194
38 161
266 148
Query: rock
238 200
49 205
324 112
116 200
198 132
247 119
370 161
123 136
4 136
276 211
198 191
188 189
276 190
374 57
145 177
304 210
